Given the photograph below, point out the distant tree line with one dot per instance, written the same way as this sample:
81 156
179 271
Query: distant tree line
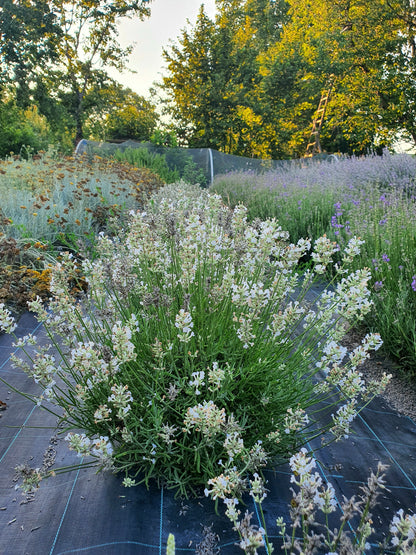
54 85
249 82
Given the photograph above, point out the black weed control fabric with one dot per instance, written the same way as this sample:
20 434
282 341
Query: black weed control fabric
81 512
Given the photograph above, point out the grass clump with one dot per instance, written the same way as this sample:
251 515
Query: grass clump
170 164
197 346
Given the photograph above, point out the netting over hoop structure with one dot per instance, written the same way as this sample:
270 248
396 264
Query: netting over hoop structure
198 165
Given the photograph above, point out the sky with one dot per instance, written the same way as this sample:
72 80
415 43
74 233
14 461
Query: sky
151 35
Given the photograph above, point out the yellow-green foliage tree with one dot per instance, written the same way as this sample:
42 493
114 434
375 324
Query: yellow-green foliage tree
348 42
262 66
212 74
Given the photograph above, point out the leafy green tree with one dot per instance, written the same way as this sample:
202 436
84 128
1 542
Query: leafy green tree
401 70
217 60
90 39
115 112
58 50
29 37
189 83
250 81
348 43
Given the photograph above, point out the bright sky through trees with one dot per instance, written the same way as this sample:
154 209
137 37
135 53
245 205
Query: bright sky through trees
167 19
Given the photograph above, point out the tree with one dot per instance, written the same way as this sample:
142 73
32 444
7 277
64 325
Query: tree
61 48
250 82
90 38
347 42
189 85
217 61
29 36
401 71
119 113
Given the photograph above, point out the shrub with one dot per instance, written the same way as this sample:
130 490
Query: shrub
24 272
197 346
49 201
143 158
22 131
60 199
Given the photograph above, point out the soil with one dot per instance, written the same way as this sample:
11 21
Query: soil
400 393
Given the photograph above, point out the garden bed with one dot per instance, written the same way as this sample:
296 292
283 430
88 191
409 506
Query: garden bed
193 360
86 513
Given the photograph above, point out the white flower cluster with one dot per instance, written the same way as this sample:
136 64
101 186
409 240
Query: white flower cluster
29 339
120 336
87 360
285 320
352 249
95 276
226 485
348 381
245 329
403 531
102 414
205 417
99 448
332 354
353 295
343 418
184 323
324 249
216 376
313 492
7 322
43 369
197 381
257 489
295 420
234 445
121 398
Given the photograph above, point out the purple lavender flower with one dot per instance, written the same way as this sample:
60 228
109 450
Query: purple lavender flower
336 225
413 283
385 258
347 227
338 208
378 285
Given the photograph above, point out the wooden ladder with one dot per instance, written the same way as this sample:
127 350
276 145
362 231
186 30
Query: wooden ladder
314 144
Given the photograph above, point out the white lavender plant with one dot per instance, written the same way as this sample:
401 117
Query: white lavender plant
197 347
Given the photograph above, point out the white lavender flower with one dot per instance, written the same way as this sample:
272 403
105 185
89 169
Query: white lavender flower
7 322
